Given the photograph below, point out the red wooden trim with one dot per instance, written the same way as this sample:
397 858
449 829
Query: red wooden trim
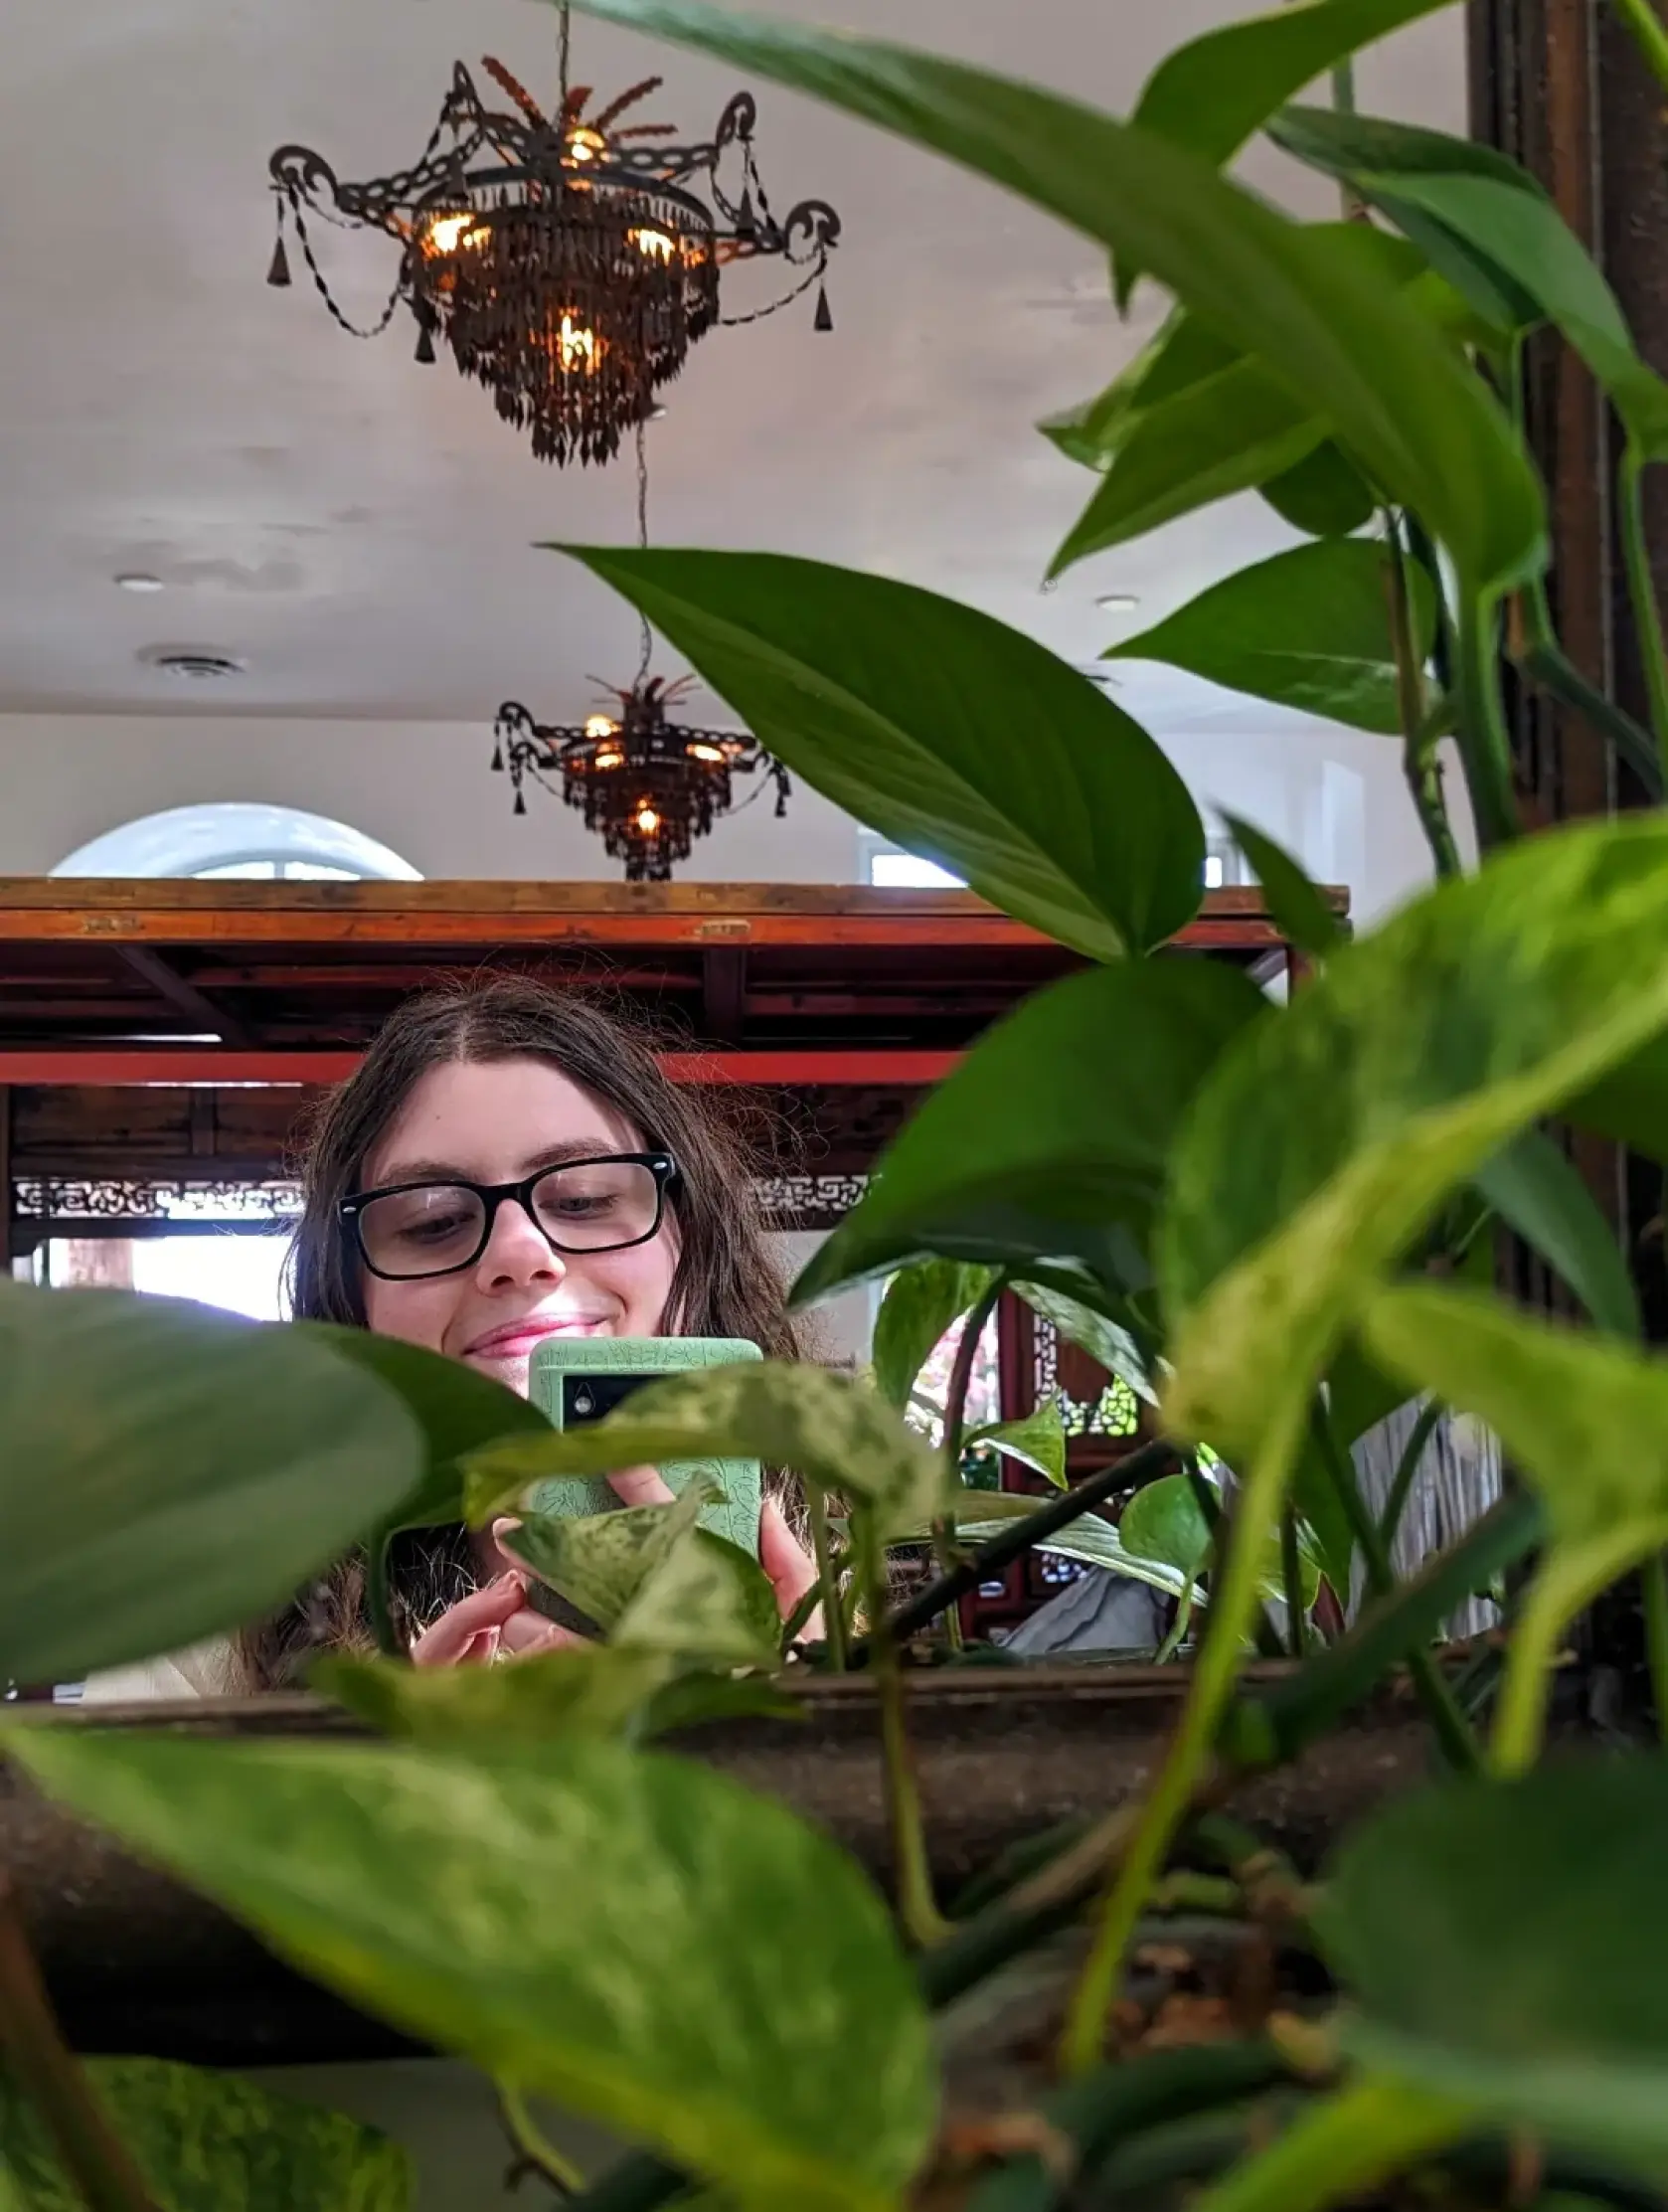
192 1064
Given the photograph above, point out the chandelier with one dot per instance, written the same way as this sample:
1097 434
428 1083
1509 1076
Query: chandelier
648 785
566 261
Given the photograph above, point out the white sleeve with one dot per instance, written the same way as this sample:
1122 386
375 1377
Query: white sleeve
208 1670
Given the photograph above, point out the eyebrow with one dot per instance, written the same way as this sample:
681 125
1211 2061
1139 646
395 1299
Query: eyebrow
550 1155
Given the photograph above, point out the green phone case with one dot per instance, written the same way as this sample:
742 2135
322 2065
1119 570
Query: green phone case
740 1480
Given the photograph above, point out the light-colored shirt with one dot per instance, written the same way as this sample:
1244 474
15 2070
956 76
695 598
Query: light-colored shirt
206 1670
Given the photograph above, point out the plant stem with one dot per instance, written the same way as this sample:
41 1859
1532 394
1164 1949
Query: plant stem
1484 747
535 2148
1648 34
992 1559
1655 1576
92 2153
1291 1582
1343 104
956 1430
1569 1580
1544 662
1178 1630
828 1582
1419 749
1234 1598
1453 1732
1641 592
1407 1473
1339 2148
377 1601
918 1908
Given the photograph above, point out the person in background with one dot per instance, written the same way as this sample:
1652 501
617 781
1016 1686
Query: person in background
507 1164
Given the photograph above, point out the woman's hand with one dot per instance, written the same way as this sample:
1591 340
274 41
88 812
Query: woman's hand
788 1567
497 1622
493 1623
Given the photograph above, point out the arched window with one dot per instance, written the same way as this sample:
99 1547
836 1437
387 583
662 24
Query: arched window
252 842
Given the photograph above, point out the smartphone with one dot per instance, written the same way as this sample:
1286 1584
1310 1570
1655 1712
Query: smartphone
576 1380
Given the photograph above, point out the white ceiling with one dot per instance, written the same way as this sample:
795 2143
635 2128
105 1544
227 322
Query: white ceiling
360 530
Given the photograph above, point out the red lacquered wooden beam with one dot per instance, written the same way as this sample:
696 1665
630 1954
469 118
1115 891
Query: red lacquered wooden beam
119 1067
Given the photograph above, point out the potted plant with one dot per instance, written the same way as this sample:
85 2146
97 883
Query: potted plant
1273 1228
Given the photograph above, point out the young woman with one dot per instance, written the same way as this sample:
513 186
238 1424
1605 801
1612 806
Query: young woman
509 1163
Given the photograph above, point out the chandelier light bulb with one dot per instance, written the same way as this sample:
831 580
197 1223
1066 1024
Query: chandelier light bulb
577 345
600 726
654 245
448 232
648 821
704 752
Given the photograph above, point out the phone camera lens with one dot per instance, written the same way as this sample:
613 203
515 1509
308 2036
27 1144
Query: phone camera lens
583 1403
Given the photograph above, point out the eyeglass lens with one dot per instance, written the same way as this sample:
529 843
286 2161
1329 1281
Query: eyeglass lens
594 1206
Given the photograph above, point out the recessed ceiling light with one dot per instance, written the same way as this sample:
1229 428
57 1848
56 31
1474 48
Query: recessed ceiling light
1118 603
194 667
134 583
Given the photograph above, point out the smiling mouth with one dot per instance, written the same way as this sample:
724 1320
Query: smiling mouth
522 1336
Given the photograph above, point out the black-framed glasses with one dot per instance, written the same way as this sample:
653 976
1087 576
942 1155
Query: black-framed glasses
406 1231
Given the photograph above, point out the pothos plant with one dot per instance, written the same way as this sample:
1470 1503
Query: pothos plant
1270 1210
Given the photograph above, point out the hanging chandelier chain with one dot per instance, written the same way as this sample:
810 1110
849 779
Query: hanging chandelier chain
352 329
643 542
564 50
813 275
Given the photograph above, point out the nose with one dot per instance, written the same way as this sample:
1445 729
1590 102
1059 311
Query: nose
517 1251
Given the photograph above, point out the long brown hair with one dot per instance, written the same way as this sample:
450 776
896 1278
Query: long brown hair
724 1284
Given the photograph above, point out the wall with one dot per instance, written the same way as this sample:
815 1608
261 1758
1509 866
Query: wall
1334 796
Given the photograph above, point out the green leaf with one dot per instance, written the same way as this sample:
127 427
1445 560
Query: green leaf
1185 352
1163 1521
628 1933
212 2142
1537 1191
1110 1346
1215 93
1233 431
1212 93
903 707
921 1304
694 1700
600 1561
170 1473
1040 1146
1586 1417
707 1600
1352 147
1298 907
1494 232
1090 1540
832 1430
1410 411
1324 495
1327 1136
592 1689
1505 1944
1038 1440
1308 630
457 1408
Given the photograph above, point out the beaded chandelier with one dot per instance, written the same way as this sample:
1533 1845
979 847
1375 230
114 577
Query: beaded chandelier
567 262
646 784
